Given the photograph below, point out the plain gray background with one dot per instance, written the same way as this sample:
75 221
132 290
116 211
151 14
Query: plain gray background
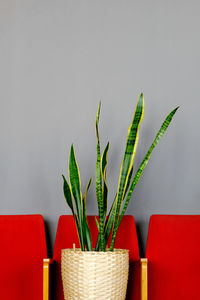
57 60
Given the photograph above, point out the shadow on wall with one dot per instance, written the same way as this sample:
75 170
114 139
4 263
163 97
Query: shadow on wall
49 240
140 239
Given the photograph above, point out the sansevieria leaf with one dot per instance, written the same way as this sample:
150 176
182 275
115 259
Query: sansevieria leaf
86 231
103 173
108 224
67 193
97 223
84 197
129 155
141 168
69 200
98 183
87 235
98 237
111 215
110 221
75 182
104 190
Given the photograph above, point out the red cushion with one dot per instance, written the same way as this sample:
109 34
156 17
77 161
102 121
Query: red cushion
126 238
173 249
22 249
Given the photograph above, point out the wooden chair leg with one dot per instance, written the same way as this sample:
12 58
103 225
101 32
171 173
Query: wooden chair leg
46 278
144 278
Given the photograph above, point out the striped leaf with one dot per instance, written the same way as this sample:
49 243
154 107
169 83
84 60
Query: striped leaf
108 225
69 200
128 182
84 197
129 155
75 181
86 231
142 166
68 194
111 215
98 241
104 189
87 235
79 232
97 223
103 174
98 184
110 221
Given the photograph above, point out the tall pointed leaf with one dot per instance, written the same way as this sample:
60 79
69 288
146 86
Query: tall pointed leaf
141 168
68 194
97 223
103 173
86 231
111 215
129 155
128 182
110 220
98 183
68 197
75 182
104 190
87 235
84 197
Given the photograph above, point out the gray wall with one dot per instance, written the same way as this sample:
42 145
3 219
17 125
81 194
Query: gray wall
57 60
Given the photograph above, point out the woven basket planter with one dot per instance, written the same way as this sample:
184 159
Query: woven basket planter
94 275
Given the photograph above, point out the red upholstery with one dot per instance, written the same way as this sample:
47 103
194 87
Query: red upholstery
173 248
22 249
126 238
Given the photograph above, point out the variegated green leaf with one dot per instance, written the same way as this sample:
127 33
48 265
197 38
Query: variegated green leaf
108 224
141 168
75 181
97 223
98 184
84 197
103 173
68 194
79 231
128 182
111 216
97 243
129 155
110 220
87 235
86 231
68 197
98 238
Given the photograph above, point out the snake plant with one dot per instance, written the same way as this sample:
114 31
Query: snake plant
108 224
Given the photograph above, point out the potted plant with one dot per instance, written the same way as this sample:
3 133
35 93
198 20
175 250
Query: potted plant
95 273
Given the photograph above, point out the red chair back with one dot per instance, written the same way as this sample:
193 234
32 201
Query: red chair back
22 249
173 248
126 238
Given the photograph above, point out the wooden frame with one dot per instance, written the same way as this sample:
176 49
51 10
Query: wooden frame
46 278
144 278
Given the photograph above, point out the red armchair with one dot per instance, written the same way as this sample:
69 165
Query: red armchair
22 249
173 248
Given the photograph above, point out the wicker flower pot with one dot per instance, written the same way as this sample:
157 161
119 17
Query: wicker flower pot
94 275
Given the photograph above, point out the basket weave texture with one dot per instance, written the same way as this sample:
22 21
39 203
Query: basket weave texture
94 275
